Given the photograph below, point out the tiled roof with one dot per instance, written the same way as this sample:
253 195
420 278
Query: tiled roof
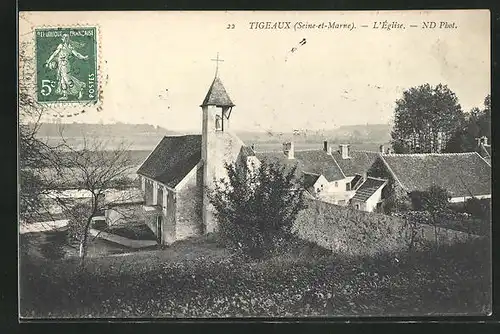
247 151
279 157
310 179
172 159
485 151
354 182
217 95
458 173
368 188
317 161
358 162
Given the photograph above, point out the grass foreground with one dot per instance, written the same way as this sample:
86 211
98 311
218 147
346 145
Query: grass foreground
196 278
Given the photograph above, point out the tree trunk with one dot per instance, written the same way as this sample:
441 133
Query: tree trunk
81 251
435 231
83 242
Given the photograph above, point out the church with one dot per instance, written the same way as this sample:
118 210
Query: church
176 176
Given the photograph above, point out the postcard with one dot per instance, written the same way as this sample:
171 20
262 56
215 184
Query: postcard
190 164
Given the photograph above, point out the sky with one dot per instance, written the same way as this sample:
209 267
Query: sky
156 67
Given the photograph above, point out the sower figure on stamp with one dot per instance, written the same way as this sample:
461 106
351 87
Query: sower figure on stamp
67 84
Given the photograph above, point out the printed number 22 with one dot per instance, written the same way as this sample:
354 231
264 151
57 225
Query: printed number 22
230 26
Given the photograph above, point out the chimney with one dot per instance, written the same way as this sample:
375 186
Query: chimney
382 148
253 147
325 146
389 150
288 150
484 141
344 151
365 175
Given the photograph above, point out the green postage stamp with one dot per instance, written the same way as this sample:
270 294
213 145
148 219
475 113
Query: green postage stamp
66 62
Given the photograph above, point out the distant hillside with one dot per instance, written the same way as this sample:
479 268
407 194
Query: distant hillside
146 136
373 133
107 130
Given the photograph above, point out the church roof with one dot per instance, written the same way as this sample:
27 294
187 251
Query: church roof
172 159
217 95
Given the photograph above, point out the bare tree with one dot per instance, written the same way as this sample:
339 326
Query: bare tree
35 155
101 175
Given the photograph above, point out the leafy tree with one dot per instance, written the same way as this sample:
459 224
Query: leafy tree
478 208
423 117
477 123
256 208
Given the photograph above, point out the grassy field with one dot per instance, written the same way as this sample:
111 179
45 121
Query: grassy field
196 278
54 245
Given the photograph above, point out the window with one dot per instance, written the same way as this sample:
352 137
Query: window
357 206
218 123
336 184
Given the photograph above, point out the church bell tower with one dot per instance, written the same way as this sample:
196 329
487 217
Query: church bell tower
218 145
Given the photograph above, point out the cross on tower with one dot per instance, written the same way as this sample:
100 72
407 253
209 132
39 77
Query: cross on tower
217 66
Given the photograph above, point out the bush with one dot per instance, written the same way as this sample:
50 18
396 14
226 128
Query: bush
53 248
478 208
434 199
256 207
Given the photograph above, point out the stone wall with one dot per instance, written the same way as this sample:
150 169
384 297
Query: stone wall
189 205
347 230
167 214
122 214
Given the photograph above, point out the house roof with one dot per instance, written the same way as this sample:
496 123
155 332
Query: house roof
319 162
316 161
368 188
310 179
358 162
459 173
247 151
485 151
217 95
279 157
172 159
354 182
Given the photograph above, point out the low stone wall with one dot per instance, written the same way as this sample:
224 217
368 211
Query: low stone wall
123 213
346 230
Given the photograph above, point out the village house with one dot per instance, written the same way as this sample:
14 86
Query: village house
337 177
177 175
463 175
